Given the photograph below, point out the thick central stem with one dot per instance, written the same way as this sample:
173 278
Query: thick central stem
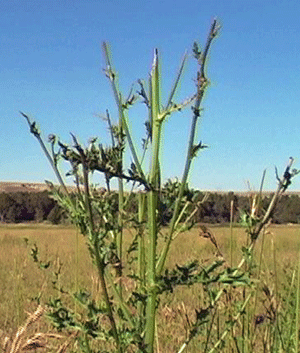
151 278
152 208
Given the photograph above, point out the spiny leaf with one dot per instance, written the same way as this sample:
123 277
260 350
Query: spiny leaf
143 93
196 51
198 147
148 129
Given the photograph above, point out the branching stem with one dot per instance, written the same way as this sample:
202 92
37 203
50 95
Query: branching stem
201 87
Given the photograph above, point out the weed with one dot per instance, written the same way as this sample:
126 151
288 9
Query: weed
124 318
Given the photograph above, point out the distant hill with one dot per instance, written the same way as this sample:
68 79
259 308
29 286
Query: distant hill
14 186
7 186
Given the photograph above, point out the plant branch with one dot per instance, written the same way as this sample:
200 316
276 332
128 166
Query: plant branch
283 183
35 131
95 241
231 324
154 181
112 77
177 80
201 87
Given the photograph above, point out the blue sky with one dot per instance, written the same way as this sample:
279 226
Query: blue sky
51 68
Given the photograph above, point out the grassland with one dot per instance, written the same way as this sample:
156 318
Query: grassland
23 282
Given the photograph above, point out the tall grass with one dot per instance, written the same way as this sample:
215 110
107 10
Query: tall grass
175 310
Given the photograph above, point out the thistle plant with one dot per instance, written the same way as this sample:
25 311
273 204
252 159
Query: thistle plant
125 320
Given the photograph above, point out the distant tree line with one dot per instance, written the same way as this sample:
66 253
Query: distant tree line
17 207
217 209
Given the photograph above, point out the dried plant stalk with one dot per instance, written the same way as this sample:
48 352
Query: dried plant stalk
16 344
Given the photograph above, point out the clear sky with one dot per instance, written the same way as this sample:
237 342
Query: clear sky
51 68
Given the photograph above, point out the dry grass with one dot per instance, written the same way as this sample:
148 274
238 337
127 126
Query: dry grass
21 281
24 341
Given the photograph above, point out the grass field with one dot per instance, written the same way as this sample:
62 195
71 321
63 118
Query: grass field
23 283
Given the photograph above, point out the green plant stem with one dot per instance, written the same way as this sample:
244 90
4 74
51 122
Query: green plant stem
201 87
120 216
255 234
258 278
101 271
210 330
151 278
95 242
282 186
120 232
163 256
152 208
181 214
118 98
37 134
176 83
178 230
119 236
141 251
226 331
235 319
123 305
